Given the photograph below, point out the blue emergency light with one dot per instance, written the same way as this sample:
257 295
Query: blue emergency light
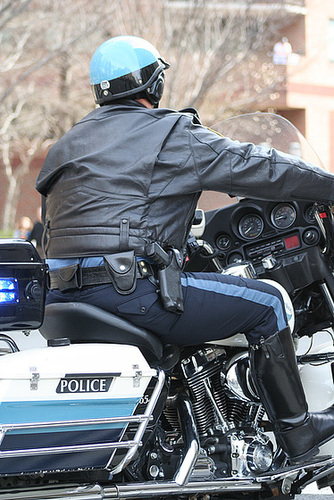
9 291
22 285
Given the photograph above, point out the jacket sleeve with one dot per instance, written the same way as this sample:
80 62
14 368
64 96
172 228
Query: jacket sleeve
243 169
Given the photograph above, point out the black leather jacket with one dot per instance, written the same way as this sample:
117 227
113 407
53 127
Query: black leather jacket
126 175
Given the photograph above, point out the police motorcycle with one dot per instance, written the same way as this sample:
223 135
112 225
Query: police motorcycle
105 411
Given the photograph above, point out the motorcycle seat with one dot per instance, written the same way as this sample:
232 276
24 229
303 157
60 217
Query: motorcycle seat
81 323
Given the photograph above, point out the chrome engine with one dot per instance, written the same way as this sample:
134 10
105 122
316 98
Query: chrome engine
228 415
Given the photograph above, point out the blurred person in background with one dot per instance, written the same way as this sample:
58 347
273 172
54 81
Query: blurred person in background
23 228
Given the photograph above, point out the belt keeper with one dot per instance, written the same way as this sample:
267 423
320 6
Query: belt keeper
78 277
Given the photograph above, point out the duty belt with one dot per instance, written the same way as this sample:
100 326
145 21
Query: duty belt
76 277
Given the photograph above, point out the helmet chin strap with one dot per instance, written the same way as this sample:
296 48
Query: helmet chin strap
155 91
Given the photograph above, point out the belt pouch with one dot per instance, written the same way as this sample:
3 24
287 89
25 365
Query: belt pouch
170 286
69 277
122 270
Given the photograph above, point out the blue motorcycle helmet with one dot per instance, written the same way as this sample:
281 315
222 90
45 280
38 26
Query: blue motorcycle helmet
127 66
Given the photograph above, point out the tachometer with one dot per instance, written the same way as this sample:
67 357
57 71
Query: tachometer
251 226
283 215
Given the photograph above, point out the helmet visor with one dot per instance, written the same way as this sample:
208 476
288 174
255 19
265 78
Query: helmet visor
128 84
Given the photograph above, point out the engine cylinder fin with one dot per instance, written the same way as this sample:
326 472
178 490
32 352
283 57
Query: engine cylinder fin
172 417
237 411
219 395
203 410
204 416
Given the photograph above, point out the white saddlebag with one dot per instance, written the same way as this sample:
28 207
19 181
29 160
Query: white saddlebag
69 407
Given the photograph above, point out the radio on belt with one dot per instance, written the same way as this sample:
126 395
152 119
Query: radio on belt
22 285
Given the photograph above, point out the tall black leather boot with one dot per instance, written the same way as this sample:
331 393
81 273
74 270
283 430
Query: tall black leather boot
276 377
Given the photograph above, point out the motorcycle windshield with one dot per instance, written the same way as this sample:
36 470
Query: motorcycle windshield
268 130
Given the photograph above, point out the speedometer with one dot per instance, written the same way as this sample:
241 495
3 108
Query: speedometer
251 226
283 216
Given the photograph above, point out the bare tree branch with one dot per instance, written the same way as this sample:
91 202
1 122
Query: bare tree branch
45 60
13 8
218 54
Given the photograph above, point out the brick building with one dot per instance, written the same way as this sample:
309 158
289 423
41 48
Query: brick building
307 99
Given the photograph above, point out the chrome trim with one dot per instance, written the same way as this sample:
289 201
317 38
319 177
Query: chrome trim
281 473
66 423
242 270
205 468
52 450
10 342
142 427
210 251
190 438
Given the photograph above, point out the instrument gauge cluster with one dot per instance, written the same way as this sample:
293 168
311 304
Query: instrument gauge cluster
253 229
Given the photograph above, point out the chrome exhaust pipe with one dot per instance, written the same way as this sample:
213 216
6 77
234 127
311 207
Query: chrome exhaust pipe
129 490
153 489
190 438
64 492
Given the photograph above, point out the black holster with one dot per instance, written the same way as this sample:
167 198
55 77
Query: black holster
170 285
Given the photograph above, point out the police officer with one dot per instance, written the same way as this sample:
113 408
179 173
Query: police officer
120 190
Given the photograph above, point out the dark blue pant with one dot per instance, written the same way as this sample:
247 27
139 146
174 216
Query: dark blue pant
216 306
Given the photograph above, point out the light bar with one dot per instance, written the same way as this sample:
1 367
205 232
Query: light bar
9 292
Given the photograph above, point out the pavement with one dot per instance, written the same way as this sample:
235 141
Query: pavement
311 492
